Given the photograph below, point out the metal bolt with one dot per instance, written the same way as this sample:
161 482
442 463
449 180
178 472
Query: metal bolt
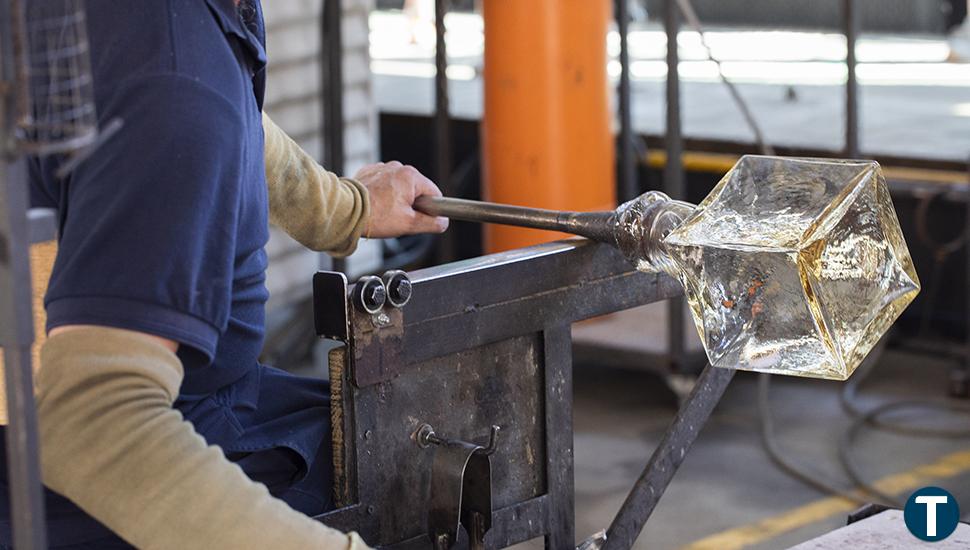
374 296
426 437
399 287
367 434
381 320
401 292
370 294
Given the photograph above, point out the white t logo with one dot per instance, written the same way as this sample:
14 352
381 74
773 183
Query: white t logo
931 502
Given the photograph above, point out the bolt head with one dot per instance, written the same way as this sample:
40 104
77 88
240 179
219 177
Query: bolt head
375 295
401 290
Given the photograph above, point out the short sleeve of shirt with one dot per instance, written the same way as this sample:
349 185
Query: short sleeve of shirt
148 222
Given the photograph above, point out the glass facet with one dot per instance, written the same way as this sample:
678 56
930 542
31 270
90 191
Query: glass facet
793 266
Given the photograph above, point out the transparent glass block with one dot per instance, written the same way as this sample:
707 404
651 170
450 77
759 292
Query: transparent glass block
790 266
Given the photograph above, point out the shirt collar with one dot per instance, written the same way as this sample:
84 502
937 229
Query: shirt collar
253 36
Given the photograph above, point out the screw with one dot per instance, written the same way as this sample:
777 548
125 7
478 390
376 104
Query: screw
401 291
426 437
367 434
399 287
370 294
374 296
381 320
371 509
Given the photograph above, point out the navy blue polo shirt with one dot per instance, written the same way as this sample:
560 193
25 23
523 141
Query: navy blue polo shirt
162 231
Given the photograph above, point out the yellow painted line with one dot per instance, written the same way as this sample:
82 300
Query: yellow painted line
764 530
719 163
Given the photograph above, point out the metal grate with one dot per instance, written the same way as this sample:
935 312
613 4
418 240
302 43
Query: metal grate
59 115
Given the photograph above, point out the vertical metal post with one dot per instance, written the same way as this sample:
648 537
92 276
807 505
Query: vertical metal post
16 337
628 184
331 41
961 383
442 118
333 85
850 14
16 316
674 168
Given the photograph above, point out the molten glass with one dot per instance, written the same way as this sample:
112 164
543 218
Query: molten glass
790 266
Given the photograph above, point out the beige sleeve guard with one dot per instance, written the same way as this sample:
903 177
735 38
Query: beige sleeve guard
112 443
320 210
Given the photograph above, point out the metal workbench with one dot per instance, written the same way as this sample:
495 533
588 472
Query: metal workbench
483 342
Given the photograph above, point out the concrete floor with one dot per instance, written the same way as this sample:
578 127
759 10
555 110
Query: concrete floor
727 480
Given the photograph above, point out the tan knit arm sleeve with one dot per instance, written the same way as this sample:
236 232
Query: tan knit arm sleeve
320 210
111 442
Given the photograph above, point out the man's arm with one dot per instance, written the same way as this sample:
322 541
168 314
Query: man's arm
327 213
111 442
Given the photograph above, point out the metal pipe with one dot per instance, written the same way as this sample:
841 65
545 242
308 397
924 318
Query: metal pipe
331 34
597 226
442 119
16 302
628 185
674 169
962 384
333 78
667 458
851 27
16 336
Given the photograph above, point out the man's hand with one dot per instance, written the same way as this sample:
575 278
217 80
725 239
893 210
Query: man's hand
393 188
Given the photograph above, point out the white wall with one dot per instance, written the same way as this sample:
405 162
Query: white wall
293 99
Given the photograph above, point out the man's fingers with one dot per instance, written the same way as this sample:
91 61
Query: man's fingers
422 185
424 223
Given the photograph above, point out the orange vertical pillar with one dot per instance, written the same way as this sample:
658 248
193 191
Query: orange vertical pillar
546 133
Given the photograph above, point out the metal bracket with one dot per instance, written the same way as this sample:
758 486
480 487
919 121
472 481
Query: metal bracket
461 489
330 305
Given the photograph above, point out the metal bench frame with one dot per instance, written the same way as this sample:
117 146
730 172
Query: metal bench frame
490 327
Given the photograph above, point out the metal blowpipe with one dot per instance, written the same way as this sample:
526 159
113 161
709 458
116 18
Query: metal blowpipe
597 226
790 266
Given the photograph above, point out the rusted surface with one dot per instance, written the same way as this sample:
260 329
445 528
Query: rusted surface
461 395
483 342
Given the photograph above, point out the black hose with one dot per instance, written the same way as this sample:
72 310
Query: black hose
861 419
779 459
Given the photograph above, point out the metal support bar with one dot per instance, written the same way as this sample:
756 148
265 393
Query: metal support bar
16 337
442 117
674 170
667 458
850 20
331 38
16 300
962 384
628 184
333 78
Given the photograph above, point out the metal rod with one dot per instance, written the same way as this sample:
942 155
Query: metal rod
442 119
331 30
16 300
667 458
628 184
592 225
962 385
850 17
333 80
674 169
16 337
